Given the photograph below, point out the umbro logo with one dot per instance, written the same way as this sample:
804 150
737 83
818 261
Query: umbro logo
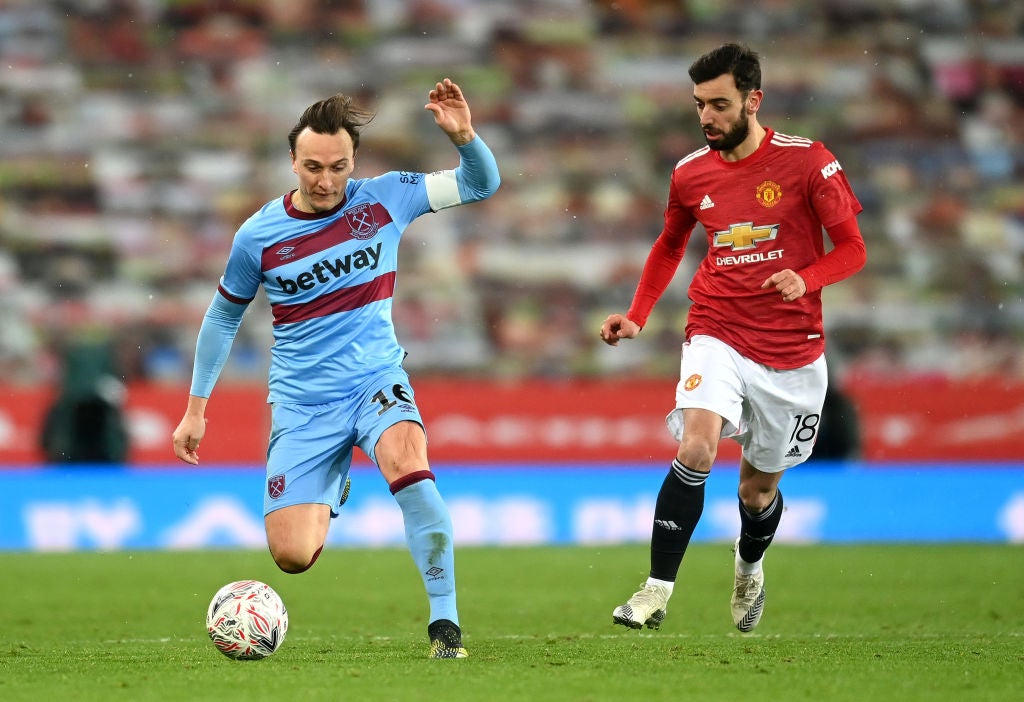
707 203
283 253
793 452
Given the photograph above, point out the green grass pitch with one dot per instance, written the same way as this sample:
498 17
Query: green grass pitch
842 622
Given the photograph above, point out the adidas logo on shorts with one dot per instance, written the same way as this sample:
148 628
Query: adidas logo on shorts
793 452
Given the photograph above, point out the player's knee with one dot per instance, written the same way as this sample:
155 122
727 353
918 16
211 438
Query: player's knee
697 454
756 498
295 560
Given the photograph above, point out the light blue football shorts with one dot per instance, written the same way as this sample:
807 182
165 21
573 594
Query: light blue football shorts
310 449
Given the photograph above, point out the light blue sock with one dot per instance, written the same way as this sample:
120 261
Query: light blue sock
428 532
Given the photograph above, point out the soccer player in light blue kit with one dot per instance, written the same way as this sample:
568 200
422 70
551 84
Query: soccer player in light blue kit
326 254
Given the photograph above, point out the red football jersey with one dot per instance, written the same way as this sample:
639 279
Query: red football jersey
762 214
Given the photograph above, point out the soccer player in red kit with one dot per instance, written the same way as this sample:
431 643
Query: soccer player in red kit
753 366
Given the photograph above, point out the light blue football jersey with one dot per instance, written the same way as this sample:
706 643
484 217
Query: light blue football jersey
330 281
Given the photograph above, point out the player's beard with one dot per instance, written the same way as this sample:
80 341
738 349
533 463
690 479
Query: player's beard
736 135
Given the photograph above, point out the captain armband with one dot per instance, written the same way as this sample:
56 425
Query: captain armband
442 190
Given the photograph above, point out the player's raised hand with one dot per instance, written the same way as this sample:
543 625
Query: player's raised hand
618 326
451 111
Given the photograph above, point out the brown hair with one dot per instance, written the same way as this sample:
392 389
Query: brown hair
330 116
736 59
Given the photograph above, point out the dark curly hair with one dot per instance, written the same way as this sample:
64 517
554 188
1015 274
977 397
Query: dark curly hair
743 64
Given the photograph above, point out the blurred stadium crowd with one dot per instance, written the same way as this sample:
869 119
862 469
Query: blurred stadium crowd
138 134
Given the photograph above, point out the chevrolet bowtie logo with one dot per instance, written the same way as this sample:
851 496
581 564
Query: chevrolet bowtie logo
745 235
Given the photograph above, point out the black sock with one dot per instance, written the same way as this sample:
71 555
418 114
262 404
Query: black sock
676 513
758 530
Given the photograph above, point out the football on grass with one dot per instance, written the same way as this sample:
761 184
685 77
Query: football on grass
247 620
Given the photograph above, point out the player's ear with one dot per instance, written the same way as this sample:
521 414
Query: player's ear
754 101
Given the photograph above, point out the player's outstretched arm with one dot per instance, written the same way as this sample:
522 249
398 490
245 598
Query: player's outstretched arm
618 326
451 112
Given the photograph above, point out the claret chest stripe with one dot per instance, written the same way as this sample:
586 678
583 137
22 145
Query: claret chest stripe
380 288
339 231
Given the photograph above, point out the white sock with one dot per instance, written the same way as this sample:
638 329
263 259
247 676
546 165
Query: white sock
663 583
744 568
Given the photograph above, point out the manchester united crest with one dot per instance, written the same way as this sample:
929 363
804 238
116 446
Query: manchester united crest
692 382
362 222
768 193
275 486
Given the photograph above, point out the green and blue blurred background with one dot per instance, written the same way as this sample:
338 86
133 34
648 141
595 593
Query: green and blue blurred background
138 134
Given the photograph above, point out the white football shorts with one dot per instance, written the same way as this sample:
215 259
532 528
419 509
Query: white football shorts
773 414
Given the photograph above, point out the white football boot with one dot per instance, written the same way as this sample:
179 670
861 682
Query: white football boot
747 598
646 607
